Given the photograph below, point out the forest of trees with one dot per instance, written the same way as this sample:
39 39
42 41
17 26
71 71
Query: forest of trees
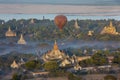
47 30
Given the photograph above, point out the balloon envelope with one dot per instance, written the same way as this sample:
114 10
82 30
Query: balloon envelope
60 21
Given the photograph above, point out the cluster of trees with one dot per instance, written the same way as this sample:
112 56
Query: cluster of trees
116 59
47 30
97 59
33 64
6 60
101 58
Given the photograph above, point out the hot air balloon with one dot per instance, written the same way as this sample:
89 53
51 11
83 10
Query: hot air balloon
60 21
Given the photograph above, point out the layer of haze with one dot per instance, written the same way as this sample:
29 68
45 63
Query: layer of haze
60 9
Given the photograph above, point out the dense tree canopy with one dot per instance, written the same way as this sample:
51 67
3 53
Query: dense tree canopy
47 30
31 65
51 66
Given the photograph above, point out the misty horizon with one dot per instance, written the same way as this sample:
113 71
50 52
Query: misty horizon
63 2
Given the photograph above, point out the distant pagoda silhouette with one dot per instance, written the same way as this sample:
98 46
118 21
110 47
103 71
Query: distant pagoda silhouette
10 33
32 21
21 40
76 25
109 29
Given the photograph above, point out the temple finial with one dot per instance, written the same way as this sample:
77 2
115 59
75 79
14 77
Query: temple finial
111 24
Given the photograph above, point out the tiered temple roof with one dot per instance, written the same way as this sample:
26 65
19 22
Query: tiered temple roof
54 54
109 29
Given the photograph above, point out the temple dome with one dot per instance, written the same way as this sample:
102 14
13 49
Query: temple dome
10 33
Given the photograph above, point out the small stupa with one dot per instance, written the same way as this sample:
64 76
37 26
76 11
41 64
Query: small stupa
10 33
109 29
21 40
32 21
14 65
90 33
65 62
76 25
77 67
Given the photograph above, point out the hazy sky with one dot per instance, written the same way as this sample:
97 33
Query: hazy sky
79 7
78 2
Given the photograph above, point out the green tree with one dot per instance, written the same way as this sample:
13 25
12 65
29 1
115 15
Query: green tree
33 65
73 77
116 58
51 66
99 58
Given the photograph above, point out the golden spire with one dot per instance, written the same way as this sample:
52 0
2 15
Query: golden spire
111 25
9 29
76 25
21 37
55 47
21 40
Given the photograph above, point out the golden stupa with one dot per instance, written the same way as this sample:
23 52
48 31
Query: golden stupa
90 33
54 54
76 25
21 40
14 65
109 29
10 33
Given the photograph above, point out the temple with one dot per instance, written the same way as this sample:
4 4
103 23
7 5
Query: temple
54 54
32 21
90 33
76 25
14 65
21 40
10 33
63 59
109 29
